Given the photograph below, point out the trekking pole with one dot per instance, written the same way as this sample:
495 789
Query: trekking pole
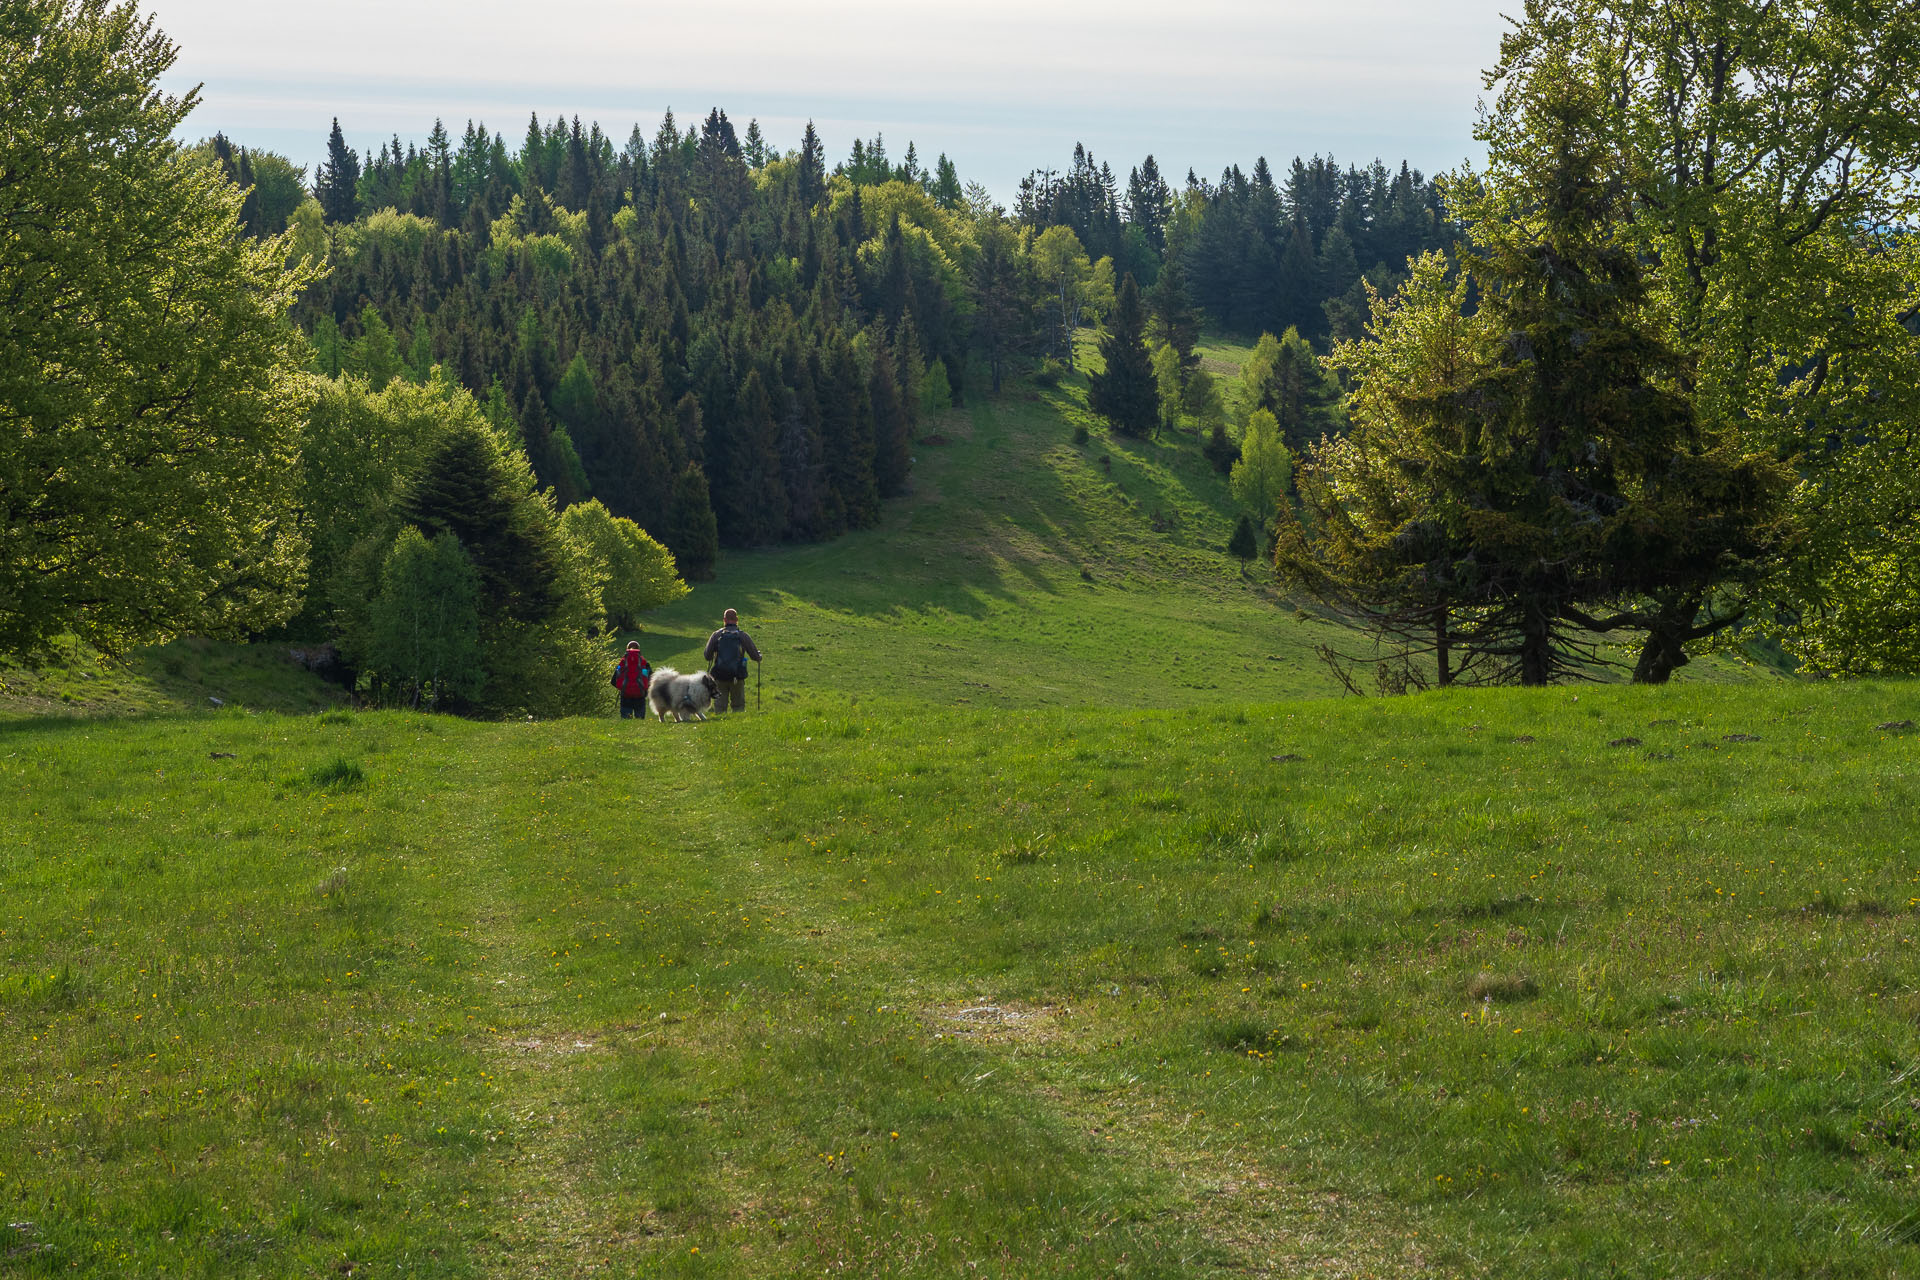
758 667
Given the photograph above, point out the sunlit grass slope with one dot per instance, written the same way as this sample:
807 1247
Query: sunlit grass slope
1461 984
1026 570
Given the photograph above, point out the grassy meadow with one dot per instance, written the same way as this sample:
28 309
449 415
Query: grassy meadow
1050 920
1456 984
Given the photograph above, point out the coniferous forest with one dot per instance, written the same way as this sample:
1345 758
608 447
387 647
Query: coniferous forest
696 321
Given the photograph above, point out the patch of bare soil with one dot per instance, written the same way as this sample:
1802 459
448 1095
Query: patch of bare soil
1014 1023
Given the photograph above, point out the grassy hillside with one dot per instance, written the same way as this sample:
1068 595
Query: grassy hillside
1026 570
186 675
1570 982
1023 570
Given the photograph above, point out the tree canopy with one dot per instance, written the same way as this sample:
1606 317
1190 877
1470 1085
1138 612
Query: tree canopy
150 389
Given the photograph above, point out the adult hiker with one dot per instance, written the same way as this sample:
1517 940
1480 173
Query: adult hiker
728 650
631 677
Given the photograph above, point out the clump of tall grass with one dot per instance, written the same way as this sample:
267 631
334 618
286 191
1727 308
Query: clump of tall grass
338 774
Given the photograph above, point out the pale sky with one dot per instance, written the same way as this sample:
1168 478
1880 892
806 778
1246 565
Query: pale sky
1001 86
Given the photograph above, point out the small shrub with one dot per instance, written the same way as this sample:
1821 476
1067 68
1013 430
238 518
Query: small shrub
336 716
338 774
1080 436
1050 372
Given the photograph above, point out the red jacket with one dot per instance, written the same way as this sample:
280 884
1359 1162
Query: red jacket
633 675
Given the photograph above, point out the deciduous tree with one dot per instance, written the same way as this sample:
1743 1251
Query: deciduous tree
151 391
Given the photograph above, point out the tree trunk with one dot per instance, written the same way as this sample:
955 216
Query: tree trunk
1536 646
1442 646
1664 650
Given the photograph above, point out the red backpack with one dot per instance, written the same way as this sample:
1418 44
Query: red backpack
634 675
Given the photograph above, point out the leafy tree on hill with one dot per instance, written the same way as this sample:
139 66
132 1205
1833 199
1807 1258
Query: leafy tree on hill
636 574
1125 393
1767 153
1518 468
1264 473
150 388
1062 263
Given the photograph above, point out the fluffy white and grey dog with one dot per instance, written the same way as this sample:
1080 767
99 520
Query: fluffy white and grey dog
684 697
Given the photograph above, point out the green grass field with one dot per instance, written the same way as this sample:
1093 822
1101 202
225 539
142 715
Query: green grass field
1049 921
1336 987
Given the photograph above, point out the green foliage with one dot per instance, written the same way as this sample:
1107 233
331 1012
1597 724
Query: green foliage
307 234
1264 473
423 641
1772 200
388 231
1124 391
936 392
375 354
150 398
692 533
1284 377
1167 381
635 573
1200 400
1244 545
359 447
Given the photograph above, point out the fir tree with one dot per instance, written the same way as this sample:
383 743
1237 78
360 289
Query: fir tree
892 433
469 487
337 185
760 500
691 533
1244 545
1125 393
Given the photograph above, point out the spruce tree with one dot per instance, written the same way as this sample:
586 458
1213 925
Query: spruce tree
1126 393
1175 322
800 461
337 185
1244 545
760 501
892 434
691 532
470 486
846 436
811 176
